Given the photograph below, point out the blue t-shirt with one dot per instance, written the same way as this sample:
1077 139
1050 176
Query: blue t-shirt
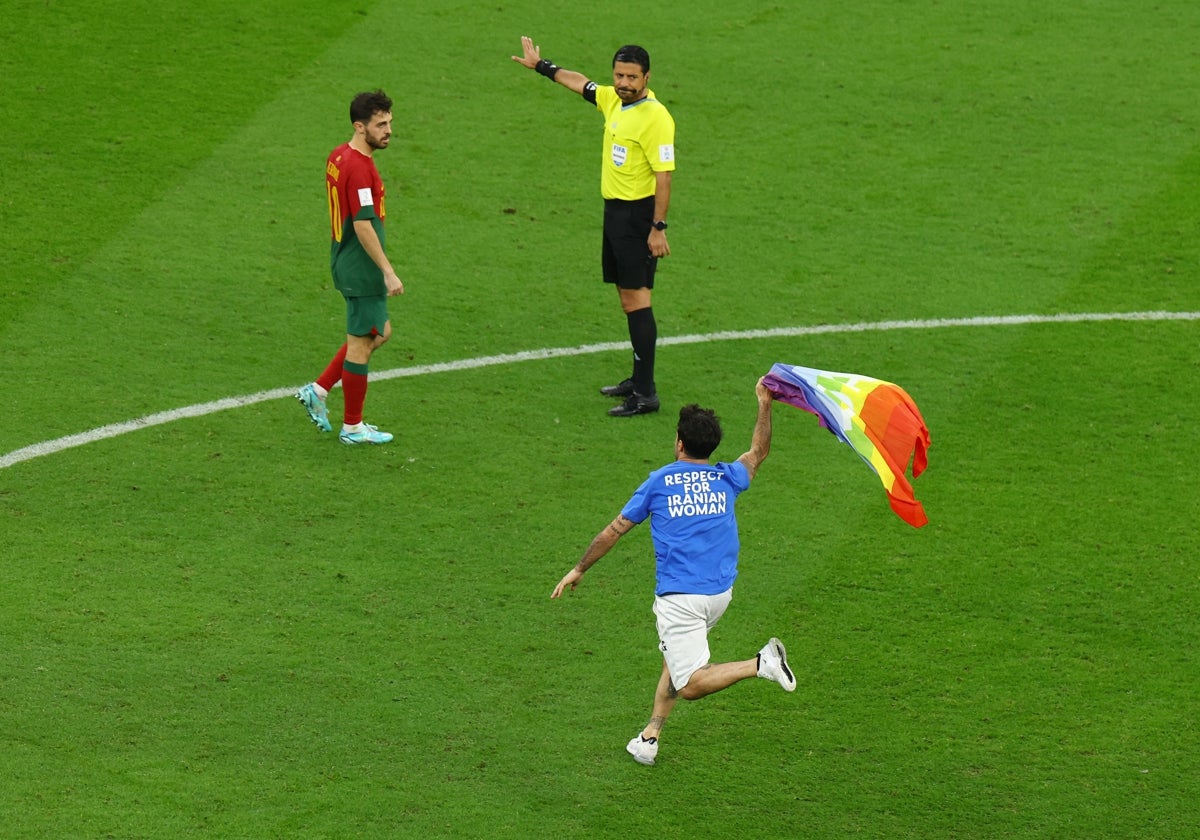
692 522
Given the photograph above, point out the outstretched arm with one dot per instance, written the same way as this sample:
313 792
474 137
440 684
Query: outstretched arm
531 57
603 541
760 441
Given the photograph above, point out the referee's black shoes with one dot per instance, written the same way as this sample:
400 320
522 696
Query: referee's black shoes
622 389
635 403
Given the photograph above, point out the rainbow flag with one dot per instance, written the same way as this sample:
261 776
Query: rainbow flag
876 419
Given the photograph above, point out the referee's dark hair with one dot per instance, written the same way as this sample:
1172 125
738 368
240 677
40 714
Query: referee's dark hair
699 430
633 54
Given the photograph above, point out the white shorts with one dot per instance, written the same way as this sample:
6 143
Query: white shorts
683 623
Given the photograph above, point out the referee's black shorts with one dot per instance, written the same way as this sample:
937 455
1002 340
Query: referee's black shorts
625 256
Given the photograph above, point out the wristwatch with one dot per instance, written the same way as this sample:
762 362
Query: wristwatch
660 225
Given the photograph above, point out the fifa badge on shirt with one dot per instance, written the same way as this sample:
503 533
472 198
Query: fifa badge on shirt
618 154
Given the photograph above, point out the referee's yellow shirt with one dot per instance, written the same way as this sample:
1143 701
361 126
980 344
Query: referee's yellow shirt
639 140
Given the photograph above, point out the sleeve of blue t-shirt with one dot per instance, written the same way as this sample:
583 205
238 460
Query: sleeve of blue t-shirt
738 475
638 507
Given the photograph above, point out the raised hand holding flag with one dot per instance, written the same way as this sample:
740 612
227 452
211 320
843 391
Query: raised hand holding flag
876 419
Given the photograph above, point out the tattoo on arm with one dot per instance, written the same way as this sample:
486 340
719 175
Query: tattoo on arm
603 541
620 526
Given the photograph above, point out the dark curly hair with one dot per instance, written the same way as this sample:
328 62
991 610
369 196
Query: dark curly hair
699 430
366 105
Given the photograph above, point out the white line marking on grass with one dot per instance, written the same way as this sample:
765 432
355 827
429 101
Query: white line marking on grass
50 447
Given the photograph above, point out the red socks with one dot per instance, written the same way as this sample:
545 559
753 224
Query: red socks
354 391
333 373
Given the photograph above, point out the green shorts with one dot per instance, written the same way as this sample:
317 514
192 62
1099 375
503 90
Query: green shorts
366 315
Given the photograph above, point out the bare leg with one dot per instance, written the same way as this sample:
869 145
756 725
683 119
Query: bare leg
712 678
359 348
664 702
634 299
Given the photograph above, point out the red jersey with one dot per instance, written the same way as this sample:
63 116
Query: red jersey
355 192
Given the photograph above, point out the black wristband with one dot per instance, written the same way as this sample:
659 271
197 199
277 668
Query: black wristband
546 68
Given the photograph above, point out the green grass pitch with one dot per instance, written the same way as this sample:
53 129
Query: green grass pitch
231 626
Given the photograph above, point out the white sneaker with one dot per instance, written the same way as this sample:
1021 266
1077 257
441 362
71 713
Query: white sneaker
642 749
773 665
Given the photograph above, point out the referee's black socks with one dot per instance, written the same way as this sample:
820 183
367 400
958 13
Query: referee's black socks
643 335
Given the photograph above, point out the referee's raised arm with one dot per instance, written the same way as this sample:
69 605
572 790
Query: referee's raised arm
532 58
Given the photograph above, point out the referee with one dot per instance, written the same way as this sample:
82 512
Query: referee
638 158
